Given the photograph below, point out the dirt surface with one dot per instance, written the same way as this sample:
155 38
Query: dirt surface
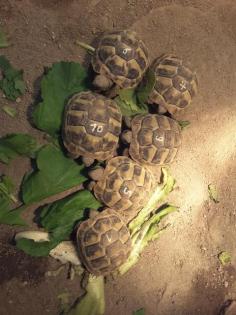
179 274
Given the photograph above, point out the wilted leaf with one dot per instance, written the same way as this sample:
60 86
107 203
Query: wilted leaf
12 83
160 193
224 258
127 101
146 87
56 173
64 301
149 230
62 80
183 123
17 144
12 112
93 302
213 193
3 41
139 312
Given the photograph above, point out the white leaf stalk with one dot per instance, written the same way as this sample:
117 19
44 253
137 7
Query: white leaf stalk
143 228
160 193
93 302
65 252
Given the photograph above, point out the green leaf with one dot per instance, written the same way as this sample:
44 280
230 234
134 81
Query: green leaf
213 193
183 123
93 303
63 80
224 258
55 173
8 216
59 220
146 88
139 312
12 83
7 187
36 249
11 217
12 112
3 41
17 144
127 101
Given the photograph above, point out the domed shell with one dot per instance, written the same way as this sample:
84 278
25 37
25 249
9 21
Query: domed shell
124 187
155 139
176 84
92 126
104 242
122 57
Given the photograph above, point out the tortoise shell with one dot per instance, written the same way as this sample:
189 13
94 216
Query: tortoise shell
155 139
175 85
104 242
92 126
124 187
121 57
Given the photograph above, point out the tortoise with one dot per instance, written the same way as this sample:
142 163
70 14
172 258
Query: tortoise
175 85
124 186
121 58
92 125
154 139
103 242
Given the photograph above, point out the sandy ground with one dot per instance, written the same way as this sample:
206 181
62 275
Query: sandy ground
179 274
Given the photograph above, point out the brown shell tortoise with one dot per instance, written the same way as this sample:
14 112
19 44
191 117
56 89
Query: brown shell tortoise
175 86
154 139
103 242
92 126
121 58
124 186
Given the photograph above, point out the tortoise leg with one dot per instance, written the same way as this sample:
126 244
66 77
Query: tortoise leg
161 110
125 152
96 174
93 213
126 136
113 92
90 185
102 83
87 161
127 121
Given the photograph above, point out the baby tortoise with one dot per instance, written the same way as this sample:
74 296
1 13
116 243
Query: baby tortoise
124 186
103 242
154 139
175 85
92 126
121 58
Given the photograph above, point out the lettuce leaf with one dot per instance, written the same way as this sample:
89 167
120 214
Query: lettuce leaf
12 82
55 173
16 144
61 81
59 219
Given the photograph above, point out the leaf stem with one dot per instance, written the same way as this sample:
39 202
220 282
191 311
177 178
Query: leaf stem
13 198
85 46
